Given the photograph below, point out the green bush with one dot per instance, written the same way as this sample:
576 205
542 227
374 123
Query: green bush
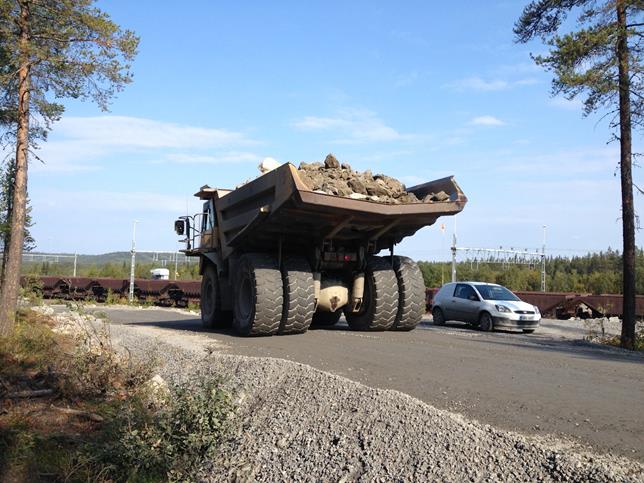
144 445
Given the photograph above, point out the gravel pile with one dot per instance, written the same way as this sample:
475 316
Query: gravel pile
335 178
295 423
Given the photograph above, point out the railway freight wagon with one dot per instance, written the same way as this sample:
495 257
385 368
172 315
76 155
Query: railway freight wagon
276 256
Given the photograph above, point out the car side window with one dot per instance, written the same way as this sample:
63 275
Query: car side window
463 291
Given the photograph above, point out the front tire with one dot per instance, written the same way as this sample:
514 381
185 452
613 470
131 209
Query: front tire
212 316
486 324
258 295
411 294
438 316
380 302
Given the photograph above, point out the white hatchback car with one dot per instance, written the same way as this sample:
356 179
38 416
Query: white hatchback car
486 305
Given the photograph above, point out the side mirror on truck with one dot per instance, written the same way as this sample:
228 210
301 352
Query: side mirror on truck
180 227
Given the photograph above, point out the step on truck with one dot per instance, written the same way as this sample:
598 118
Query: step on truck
276 257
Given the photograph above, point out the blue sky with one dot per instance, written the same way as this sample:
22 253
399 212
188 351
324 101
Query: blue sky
409 89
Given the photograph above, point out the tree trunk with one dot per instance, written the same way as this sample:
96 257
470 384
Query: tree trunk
11 280
628 211
6 236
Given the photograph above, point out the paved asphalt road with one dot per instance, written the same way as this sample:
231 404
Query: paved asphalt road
536 384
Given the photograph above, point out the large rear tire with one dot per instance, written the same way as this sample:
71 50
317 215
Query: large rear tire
326 319
212 316
258 295
380 301
411 294
299 296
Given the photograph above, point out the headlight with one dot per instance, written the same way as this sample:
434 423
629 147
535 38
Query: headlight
502 308
536 309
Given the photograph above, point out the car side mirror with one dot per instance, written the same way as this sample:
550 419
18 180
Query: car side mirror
180 227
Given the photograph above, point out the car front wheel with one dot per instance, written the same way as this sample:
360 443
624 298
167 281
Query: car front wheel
486 324
439 318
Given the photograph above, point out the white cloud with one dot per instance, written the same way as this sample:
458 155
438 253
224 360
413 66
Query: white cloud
562 103
137 132
568 162
408 37
406 79
222 158
477 83
486 121
110 201
526 82
355 125
78 143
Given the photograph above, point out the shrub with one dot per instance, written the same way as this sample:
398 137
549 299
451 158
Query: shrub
143 445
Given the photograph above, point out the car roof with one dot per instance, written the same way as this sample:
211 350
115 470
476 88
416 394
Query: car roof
480 283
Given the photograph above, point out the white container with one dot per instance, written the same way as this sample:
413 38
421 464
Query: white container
160 274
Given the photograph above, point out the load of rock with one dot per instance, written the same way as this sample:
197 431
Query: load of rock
334 178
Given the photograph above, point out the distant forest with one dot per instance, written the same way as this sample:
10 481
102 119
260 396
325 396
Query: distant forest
111 269
593 273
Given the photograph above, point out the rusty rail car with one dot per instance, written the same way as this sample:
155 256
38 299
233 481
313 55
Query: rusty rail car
178 293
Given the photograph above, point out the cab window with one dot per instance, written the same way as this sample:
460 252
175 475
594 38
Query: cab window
208 221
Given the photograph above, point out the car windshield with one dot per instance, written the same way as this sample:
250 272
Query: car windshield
495 292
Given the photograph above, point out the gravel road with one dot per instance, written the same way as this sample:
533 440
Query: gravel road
298 423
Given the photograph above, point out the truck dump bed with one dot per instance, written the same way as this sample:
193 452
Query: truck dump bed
278 208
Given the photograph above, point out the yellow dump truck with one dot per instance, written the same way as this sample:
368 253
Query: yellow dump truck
276 257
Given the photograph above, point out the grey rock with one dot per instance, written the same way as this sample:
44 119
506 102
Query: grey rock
376 189
357 186
310 166
331 162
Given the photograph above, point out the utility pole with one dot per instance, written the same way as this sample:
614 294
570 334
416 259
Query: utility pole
132 263
441 255
454 258
543 261
75 260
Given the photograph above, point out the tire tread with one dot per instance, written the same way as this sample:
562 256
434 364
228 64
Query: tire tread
382 314
267 282
299 296
411 294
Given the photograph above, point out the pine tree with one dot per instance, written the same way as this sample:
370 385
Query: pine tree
6 192
601 59
50 49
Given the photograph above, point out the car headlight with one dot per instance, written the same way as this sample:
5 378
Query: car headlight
536 310
502 308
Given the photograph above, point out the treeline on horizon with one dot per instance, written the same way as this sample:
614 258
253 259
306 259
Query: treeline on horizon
594 273
185 271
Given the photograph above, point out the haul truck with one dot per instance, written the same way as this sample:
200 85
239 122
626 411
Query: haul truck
276 257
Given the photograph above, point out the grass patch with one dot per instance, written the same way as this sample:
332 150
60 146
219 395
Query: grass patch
103 420
638 343
595 332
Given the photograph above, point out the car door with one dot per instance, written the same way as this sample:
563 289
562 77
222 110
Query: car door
471 304
459 305
445 300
